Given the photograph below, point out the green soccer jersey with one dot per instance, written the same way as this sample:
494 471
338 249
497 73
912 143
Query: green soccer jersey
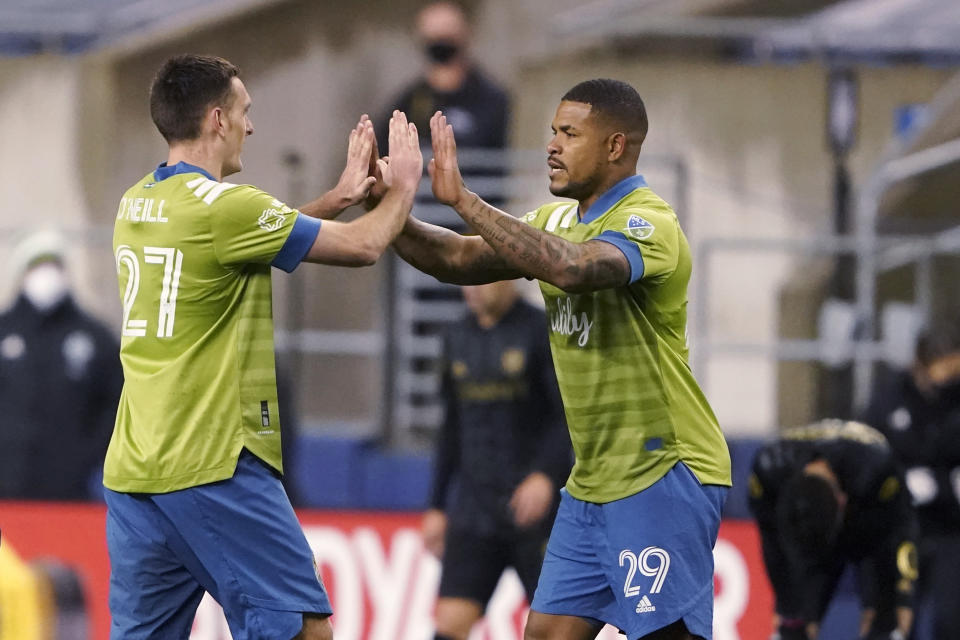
632 404
193 259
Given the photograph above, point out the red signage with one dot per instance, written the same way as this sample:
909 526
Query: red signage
380 579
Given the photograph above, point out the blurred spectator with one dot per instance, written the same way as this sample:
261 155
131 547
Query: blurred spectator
60 380
477 108
828 495
919 412
65 605
22 614
505 443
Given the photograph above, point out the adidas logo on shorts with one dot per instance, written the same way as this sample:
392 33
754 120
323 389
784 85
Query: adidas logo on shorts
645 606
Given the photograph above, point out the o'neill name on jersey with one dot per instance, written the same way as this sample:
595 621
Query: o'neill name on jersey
141 210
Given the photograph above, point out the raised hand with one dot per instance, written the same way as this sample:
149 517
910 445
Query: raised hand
355 182
379 188
405 166
448 187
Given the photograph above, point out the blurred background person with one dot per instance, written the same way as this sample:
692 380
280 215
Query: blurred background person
475 105
503 454
60 380
22 612
918 410
825 496
62 599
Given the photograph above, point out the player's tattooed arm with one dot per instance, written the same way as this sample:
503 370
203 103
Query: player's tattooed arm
449 256
571 266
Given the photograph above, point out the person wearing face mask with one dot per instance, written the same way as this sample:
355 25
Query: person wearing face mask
825 496
918 410
477 108
60 380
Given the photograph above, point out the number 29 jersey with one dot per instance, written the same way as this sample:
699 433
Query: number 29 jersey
193 259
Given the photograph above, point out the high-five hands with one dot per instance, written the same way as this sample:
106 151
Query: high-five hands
355 182
379 188
402 170
448 187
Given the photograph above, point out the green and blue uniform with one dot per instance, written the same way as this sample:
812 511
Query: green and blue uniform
194 256
637 420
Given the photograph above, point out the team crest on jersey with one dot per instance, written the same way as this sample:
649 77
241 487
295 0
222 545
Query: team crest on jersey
529 217
271 219
638 228
512 361
458 368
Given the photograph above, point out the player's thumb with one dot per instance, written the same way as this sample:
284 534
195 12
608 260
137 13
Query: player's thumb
432 167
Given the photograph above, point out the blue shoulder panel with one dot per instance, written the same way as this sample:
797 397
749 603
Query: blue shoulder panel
301 238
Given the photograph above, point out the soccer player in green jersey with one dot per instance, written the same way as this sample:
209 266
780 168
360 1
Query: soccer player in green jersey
632 543
194 501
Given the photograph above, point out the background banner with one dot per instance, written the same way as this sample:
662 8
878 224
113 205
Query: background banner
380 579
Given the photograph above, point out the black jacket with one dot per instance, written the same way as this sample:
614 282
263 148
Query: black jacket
60 380
504 419
479 112
923 428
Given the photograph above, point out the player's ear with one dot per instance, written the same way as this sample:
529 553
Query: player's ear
216 117
616 146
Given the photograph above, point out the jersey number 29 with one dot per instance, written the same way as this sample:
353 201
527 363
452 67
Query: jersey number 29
171 260
642 563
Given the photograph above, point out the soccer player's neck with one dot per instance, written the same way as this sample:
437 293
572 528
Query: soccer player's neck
606 183
199 154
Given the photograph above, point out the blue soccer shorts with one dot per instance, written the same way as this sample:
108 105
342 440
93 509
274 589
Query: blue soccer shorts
639 563
237 539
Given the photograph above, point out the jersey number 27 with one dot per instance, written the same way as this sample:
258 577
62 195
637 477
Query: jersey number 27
171 260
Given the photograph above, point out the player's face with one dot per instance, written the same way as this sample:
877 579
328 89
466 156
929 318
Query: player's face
576 154
237 126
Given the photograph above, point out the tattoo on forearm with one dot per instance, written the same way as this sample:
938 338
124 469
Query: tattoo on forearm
542 255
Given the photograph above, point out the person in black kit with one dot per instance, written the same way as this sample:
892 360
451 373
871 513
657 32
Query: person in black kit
477 108
918 410
826 495
505 447
60 381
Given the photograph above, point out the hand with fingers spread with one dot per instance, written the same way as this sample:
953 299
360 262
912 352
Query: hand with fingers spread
448 187
355 182
404 167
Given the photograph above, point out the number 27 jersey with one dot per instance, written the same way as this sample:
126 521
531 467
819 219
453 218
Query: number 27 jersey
193 260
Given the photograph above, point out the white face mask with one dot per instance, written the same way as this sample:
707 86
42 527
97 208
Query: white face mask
45 285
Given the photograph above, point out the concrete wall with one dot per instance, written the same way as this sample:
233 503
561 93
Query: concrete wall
76 133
